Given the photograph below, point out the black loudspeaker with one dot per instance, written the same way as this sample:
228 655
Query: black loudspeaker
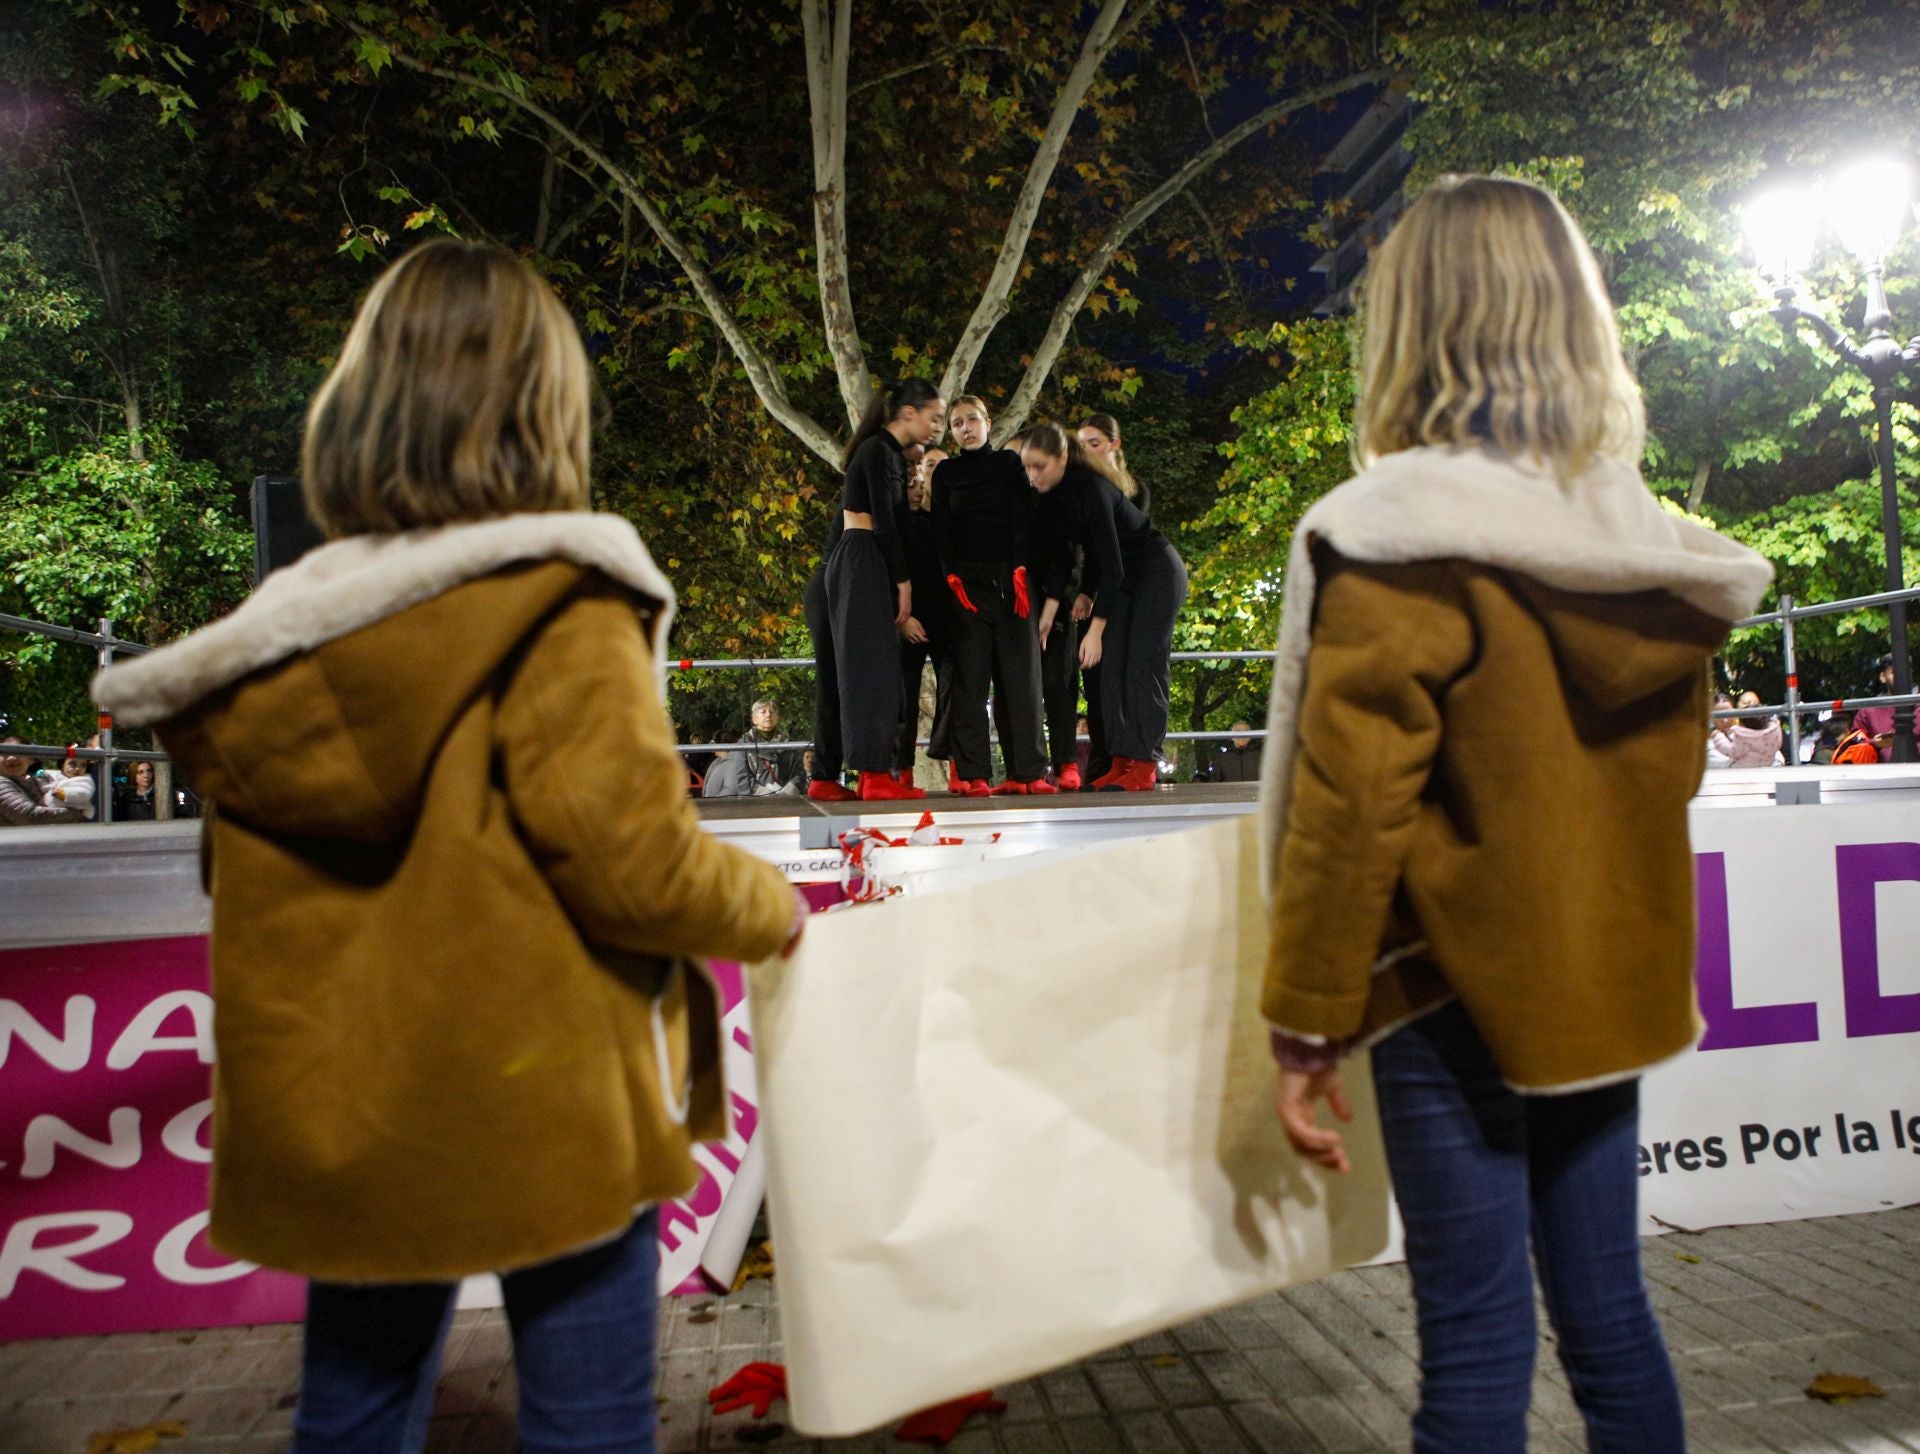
282 531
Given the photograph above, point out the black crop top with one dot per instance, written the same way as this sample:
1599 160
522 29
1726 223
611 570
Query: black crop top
982 508
1088 510
876 485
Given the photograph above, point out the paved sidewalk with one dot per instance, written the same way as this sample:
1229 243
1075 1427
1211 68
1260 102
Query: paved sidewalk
1326 1369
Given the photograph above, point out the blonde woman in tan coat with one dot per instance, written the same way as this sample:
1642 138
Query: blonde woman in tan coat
1511 934
462 1020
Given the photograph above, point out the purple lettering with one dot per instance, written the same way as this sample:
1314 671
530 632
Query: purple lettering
1731 1026
1861 868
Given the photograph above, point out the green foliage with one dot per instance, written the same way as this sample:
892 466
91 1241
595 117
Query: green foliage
150 544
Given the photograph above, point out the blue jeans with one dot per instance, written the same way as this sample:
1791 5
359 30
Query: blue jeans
1482 1174
583 1336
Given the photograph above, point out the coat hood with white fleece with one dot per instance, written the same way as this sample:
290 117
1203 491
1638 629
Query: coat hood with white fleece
317 706
1601 534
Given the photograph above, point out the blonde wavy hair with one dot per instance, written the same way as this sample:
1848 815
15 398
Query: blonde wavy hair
462 392
1486 318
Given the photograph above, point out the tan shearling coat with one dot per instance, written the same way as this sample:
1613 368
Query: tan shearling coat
1490 699
460 1020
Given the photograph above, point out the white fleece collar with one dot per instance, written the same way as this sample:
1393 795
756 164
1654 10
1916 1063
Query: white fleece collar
1602 534
349 584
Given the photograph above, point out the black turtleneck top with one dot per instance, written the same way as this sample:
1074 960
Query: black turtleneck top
982 508
1088 510
876 485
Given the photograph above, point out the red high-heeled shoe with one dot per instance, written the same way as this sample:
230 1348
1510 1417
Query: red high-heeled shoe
1111 775
1068 778
956 784
1010 789
822 791
978 788
878 787
1040 786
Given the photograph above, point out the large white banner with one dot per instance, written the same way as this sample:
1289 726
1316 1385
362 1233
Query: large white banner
1804 1098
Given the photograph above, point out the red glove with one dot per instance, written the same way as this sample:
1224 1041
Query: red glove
1022 602
938 1425
758 1384
959 589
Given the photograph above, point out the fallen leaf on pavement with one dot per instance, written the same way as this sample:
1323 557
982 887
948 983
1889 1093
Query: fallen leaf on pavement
1167 1360
135 1441
1684 1257
1840 1388
757 1263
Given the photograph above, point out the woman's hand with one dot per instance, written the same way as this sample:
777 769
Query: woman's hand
1090 643
1294 1099
1047 612
906 603
1082 607
914 631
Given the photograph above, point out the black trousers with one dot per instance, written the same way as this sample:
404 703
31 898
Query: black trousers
1100 756
1060 686
995 653
1136 657
914 655
866 650
826 680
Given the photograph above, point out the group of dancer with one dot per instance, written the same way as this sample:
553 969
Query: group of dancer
1021 573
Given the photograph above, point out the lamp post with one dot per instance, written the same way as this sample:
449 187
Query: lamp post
1867 203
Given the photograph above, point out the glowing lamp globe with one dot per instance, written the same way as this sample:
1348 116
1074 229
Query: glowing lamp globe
1781 226
1868 202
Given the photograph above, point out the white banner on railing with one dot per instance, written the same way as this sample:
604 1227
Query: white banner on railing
1804 1098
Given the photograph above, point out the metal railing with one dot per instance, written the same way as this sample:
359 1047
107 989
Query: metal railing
108 645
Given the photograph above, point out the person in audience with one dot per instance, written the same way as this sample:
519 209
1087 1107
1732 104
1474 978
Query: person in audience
746 771
23 797
1498 560
71 784
1877 722
139 800
1719 740
1754 740
1237 762
462 1018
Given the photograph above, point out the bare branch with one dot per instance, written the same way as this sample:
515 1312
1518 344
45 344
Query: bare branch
945 58
761 373
1015 414
996 299
827 46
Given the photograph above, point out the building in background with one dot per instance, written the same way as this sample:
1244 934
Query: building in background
1365 176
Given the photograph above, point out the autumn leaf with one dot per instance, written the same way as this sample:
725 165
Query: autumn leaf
141 1440
1840 1388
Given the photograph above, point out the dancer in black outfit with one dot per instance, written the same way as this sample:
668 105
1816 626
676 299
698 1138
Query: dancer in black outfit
869 586
824 783
1099 436
1057 562
1139 586
982 512
927 635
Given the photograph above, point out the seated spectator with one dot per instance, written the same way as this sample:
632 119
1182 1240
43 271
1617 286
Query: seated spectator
1237 762
23 798
740 772
1877 722
138 801
1082 746
1719 729
1754 741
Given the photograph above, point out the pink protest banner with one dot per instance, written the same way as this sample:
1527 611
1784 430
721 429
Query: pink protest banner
106 1056
105 1086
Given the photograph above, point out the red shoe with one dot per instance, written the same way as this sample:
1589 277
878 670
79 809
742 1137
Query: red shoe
1111 775
904 776
1068 778
822 791
956 784
1010 789
877 787
1040 785
978 788
1136 777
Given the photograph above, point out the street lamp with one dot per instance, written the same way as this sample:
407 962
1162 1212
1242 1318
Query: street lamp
1866 205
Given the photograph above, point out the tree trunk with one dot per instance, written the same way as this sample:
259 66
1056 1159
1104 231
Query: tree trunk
828 41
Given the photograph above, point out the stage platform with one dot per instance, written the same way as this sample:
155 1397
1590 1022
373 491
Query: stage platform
96 882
